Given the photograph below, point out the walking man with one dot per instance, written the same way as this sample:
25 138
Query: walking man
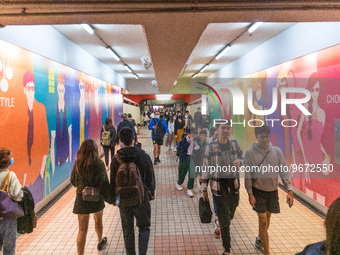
142 213
262 184
223 152
159 130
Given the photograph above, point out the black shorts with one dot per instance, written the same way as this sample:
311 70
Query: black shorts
158 142
266 201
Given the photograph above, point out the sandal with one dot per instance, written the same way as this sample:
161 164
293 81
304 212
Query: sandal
102 244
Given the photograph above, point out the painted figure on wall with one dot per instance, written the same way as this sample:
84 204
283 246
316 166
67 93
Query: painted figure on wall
95 114
309 133
63 128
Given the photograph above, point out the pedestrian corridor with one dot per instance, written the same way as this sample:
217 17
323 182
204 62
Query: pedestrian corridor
175 224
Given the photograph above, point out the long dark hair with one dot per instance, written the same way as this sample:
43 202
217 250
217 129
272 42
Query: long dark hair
332 224
108 122
313 79
87 154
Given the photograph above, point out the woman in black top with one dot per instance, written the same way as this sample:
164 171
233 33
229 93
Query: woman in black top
179 128
90 171
109 127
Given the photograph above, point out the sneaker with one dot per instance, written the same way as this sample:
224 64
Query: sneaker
226 253
175 149
179 187
189 193
258 244
158 160
155 162
102 244
217 233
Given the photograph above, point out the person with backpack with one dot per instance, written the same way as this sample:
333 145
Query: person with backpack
8 227
107 140
133 185
179 128
89 172
171 127
125 123
184 152
159 130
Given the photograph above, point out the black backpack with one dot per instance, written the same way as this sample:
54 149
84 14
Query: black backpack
26 223
159 132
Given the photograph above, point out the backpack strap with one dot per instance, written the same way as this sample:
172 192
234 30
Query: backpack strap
104 128
4 182
120 161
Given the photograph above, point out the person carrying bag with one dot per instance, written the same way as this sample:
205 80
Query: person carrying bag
10 209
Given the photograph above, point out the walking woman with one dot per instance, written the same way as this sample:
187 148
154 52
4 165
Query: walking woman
109 128
169 138
8 227
90 171
179 128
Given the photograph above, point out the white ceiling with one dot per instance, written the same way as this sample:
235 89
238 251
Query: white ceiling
130 43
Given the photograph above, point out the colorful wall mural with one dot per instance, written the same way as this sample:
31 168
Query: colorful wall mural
46 111
315 139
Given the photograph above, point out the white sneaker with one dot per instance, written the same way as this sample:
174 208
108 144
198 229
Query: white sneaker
189 193
175 149
179 187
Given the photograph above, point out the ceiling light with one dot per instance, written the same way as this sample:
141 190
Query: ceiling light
194 76
189 60
136 76
164 97
175 83
204 68
88 28
113 54
128 68
222 52
255 26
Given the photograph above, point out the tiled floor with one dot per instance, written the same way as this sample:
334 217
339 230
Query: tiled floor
176 228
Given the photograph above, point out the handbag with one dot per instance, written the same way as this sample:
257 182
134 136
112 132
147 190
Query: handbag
90 194
204 211
9 208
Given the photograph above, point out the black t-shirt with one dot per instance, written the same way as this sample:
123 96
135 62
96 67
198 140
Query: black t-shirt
225 149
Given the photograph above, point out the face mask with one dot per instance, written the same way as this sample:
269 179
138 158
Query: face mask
157 116
174 118
186 117
12 161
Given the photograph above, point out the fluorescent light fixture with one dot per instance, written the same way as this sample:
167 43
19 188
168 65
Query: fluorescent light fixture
189 60
88 28
222 52
194 76
255 26
128 68
175 83
164 97
112 53
136 76
204 68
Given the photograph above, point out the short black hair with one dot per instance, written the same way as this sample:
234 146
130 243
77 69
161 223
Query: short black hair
262 130
126 136
228 123
203 132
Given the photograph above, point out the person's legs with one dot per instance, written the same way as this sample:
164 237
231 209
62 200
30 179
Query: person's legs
263 231
191 174
106 153
112 149
182 170
268 219
143 216
8 231
98 224
224 219
155 151
83 220
127 219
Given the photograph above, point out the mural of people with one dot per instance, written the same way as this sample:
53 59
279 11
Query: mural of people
95 113
63 127
309 133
